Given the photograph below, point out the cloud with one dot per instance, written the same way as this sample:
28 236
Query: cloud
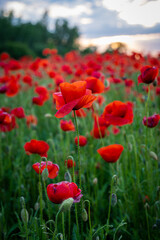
140 12
95 18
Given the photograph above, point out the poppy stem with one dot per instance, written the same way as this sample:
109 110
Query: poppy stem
55 230
79 161
110 199
63 225
40 194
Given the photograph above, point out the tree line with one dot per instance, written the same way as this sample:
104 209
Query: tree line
19 38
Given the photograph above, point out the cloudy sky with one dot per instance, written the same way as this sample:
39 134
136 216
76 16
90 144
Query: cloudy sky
135 22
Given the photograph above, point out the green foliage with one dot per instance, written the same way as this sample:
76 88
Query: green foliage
64 36
16 49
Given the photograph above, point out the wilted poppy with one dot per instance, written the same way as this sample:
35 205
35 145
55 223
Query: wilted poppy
82 141
67 125
73 96
119 113
53 169
151 121
36 147
61 191
148 74
111 153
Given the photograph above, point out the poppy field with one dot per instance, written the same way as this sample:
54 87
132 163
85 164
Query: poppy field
79 146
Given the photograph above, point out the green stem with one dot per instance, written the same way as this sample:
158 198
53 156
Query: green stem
63 225
69 223
79 161
146 212
40 195
109 209
55 230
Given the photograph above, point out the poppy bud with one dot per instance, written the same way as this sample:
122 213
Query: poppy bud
36 206
24 215
130 147
45 174
67 177
84 215
22 201
146 206
153 155
66 204
61 236
95 181
113 200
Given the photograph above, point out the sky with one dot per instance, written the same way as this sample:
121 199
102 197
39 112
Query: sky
100 22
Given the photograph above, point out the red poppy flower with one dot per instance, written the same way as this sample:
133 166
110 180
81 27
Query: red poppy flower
73 96
115 130
7 121
38 101
69 163
67 125
148 74
53 169
151 121
61 191
82 141
43 95
28 80
36 147
18 112
111 153
100 127
95 85
31 120
119 113
4 56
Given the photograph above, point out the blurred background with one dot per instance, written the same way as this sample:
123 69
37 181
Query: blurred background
29 26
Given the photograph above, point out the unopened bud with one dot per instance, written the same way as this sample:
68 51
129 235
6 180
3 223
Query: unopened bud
113 200
84 215
22 201
45 174
146 206
153 155
95 181
66 204
61 236
36 206
67 177
97 238
130 147
28 167
24 215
